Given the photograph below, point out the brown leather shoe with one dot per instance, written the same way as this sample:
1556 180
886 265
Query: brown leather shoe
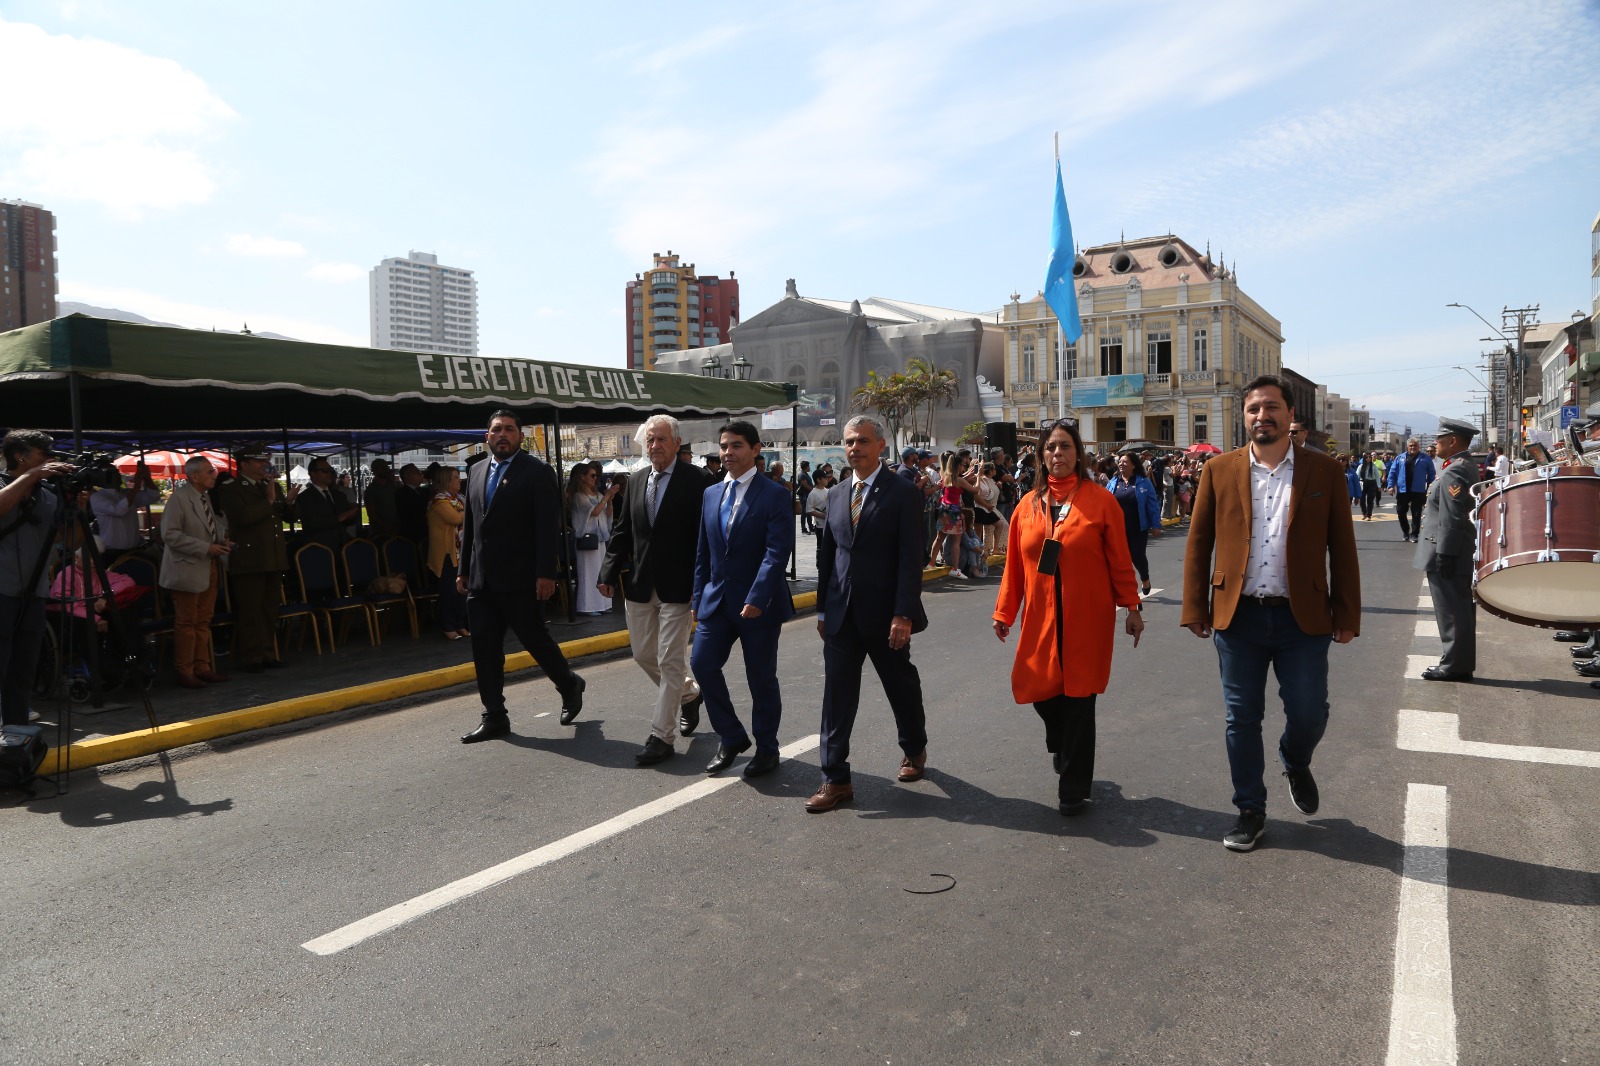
830 796
911 768
190 681
211 677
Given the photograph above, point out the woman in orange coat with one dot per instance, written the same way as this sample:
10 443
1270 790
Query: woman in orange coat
1068 604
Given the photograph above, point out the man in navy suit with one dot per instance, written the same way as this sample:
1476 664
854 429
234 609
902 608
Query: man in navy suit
869 577
509 541
652 553
741 593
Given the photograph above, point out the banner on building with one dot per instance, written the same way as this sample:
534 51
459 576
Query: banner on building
1125 390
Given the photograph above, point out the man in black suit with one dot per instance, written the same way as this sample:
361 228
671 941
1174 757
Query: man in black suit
651 552
411 505
869 573
508 564
323 509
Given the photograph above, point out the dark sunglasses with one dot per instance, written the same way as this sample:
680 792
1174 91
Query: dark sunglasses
1061 423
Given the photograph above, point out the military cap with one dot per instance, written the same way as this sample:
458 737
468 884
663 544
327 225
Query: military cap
1455 427
252 451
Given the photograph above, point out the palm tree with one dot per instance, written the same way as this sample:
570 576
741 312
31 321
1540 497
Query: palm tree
932 386
891 398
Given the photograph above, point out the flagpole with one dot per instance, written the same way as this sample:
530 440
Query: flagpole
1061 363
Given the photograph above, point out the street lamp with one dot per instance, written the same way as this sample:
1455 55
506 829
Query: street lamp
711 367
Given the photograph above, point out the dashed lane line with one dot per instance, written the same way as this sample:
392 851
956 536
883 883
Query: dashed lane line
391 917
1439 732
1422 1013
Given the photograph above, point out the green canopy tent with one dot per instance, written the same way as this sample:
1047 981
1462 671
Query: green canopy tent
99 374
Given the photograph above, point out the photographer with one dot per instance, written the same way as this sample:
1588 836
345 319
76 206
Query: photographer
27 520
116 511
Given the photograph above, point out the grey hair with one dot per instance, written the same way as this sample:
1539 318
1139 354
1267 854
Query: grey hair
1413 440
866 420
194 465
654 421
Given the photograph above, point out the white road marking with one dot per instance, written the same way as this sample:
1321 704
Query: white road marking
1440 733
401 913
1425 603
542 714
1422 1013
1427 627
1155 590
1415 664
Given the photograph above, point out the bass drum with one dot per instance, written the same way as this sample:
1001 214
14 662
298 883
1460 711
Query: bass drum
1537 560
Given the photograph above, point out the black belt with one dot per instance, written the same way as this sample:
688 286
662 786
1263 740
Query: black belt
1269 601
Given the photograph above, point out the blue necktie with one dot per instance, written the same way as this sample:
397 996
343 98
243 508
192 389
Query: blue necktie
495 470
727 507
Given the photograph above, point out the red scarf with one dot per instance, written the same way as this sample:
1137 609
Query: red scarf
1062 487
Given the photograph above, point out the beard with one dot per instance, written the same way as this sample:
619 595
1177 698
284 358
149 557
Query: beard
1266 433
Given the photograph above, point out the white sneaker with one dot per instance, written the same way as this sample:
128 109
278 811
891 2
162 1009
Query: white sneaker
33 715
957 574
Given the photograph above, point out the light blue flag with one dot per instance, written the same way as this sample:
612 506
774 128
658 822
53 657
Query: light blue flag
1058 289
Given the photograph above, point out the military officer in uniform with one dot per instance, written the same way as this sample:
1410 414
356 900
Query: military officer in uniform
256 509
1445 553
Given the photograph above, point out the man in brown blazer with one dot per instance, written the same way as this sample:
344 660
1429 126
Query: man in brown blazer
1271 574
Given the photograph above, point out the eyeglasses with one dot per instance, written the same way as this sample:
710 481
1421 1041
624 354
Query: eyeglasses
1061 423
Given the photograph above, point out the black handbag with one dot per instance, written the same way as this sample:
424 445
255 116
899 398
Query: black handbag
588 542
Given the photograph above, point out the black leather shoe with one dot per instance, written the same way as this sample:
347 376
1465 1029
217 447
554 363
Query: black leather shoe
1439 673
274 664
725 755
1303 790
1072 808
1055 760
1570 636
1591 668
689 715
762 762
489 728
1583 651
572 700
655 750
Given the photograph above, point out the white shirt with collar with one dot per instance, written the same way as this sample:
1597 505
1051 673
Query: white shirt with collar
1270 492
739 486
857 479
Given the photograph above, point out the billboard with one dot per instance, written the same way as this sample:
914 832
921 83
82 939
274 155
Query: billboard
1125 390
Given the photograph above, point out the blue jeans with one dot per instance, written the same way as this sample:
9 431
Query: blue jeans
1259 637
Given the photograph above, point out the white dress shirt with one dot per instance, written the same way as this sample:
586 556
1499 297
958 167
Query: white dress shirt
1270 490
738 486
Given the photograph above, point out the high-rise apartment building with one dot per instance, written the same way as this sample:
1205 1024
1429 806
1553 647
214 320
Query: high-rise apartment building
27 264
421 306
671 308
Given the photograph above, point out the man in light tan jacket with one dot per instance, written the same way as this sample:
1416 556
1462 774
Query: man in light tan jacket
191 571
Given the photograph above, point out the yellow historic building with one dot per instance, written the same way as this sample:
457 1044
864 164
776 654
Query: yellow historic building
1168 340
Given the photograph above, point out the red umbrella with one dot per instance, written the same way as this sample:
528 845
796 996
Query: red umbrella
1204 449
170 464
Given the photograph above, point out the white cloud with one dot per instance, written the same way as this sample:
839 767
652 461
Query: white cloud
886 116
122 129
337 273
264 247
201 316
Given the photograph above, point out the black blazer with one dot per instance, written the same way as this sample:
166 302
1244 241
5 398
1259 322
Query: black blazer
873 572
508 545
657 557
319 519
411 510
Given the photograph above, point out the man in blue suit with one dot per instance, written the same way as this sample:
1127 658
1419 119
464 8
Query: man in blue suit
741 593
869 577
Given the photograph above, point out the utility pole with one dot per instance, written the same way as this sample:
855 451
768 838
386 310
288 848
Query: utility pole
1525 319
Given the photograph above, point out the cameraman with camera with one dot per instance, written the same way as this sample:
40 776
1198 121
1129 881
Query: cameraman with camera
27 523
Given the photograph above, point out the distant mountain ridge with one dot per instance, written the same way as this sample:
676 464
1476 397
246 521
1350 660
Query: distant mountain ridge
116 314
1421 423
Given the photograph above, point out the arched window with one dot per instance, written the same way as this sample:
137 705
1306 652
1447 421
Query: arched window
797 374
828 380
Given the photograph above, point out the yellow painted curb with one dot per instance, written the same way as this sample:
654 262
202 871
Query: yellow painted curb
84 754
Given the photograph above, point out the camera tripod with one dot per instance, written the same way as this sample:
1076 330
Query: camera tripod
56 672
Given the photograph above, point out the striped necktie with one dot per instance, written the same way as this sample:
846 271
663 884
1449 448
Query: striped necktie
855 503
655 494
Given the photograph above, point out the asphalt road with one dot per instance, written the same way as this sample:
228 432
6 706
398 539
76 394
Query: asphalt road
158 916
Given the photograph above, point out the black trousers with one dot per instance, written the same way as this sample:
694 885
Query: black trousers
21 643
1069 732
1370 491
843 655
489 615
1138 545
1410 504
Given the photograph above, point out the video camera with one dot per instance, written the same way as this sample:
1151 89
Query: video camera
94 470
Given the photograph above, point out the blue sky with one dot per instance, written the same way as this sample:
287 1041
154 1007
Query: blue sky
1362 164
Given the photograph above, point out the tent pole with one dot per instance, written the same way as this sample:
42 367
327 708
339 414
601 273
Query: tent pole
568 552
77 410
794 479
288 482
